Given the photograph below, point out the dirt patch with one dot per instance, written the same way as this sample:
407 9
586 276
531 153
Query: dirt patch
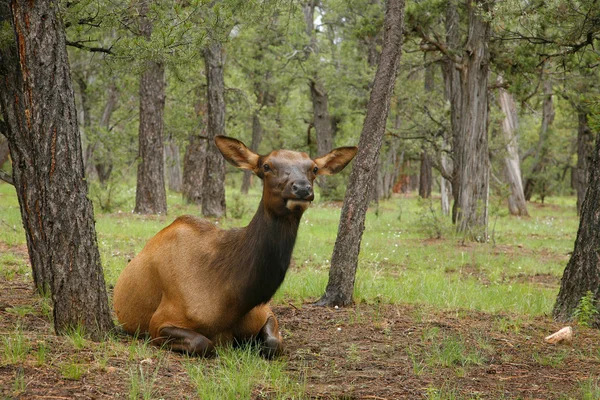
470 271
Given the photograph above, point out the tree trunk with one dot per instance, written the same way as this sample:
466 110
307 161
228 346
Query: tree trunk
102 157
512 163
193 169
257 133
582 273
173 163
453 94
39 110
585 148
425 176
213 196
540 151
471 165
318 94
344 260
4 152
150 195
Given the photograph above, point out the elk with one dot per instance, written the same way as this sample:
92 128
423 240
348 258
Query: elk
195 286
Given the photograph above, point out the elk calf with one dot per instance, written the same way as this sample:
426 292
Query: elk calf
194 285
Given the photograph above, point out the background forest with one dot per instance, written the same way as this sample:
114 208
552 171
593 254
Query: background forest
479 184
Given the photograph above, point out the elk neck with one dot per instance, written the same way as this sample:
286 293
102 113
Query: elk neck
261 254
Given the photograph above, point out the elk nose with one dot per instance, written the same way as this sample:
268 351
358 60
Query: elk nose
302 189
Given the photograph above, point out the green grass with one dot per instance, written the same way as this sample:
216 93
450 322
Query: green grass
243 373
15 347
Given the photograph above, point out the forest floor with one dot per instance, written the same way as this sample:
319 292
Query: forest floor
369 351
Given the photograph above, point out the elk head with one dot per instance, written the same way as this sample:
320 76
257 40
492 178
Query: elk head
287 175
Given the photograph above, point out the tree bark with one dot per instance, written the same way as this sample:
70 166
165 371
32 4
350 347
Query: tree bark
582 273
344 260
39 110
173 163
193 170
213 197
425 176
540 151
4 152
512 163
585 148
471 163
257 133
150 195
453 94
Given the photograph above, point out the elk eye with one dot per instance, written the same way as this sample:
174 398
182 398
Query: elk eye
266 167
315 170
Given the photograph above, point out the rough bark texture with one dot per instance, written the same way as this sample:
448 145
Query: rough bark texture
193 169
582 273
471 162
173 164
585 148
344 260
540 151
150 195
213 196
425 176
4 152
257 133
39 110
512 163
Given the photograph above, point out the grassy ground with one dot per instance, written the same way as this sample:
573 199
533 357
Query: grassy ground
436 317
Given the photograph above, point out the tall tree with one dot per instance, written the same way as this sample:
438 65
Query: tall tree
322 121
582 273
344 261
39 111
512 162
585 146
213 196
150 195
533 177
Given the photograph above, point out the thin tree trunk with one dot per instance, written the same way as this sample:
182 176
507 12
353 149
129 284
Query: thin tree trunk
471 151
512 163
103 158
322 121
150 195
453 94
425 176
257 133
38 108
540 152
585 148
173 163
582 273
213 197
344 260
193 169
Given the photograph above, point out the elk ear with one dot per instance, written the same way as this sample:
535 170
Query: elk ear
237 153
335 161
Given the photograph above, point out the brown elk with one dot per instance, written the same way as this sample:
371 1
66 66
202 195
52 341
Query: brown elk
194 285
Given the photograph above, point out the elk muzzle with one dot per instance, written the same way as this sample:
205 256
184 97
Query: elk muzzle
300 195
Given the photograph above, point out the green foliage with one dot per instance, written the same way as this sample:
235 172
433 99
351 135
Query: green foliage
587 310
431 221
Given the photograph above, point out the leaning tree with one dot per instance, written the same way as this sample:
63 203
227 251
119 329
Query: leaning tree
38 108
352 221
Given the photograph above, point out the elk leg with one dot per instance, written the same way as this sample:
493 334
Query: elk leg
185 341
270 338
